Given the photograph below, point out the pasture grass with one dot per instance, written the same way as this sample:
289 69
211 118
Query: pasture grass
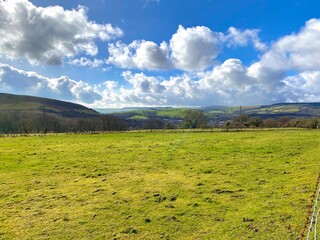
160 185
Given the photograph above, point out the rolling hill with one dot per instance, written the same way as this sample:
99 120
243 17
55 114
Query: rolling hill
223 113
137 118
28 114
294 110
51 106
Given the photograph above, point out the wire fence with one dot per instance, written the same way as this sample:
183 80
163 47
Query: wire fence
310 227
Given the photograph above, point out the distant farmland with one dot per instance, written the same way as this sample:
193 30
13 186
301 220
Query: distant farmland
160 185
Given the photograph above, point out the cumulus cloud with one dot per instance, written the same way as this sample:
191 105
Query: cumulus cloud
143 84
289 71
189 49
151 56
230 74
298 52
236 37
227 84
301 51
47 35
23 82
194 48
230 83
121 55
303 87
279 75
139 54
85 62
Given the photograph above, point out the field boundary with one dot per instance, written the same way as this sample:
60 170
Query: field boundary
198 130
312 215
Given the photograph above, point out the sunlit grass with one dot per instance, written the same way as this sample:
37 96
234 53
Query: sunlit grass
138 117
160 185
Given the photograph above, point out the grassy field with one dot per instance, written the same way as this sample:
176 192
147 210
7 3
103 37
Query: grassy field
172 112
162 185
138 117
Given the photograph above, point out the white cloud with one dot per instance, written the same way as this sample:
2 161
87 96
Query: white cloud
139 54
230 74
236 37
143 84
230 83
85 62
22 82
301 50
279 75
151 56
190 49
194 48
47 35
297 52
304 87
121 55
226 84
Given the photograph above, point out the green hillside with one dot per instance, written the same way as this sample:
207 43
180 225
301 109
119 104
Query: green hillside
217 113
30 103
28 110
306 110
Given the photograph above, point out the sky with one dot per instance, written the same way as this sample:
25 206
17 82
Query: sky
139 53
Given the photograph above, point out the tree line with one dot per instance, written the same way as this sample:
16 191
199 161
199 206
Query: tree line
193 119
25 122
245 121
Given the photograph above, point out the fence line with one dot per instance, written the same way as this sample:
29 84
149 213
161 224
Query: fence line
312 217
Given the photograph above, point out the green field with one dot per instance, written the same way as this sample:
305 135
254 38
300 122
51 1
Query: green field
172 112
138 117
160 185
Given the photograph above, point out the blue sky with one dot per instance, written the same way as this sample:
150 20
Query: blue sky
120 53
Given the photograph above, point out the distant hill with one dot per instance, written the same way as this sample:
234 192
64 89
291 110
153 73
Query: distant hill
222 113
28 114
51 106
17 111
292 110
